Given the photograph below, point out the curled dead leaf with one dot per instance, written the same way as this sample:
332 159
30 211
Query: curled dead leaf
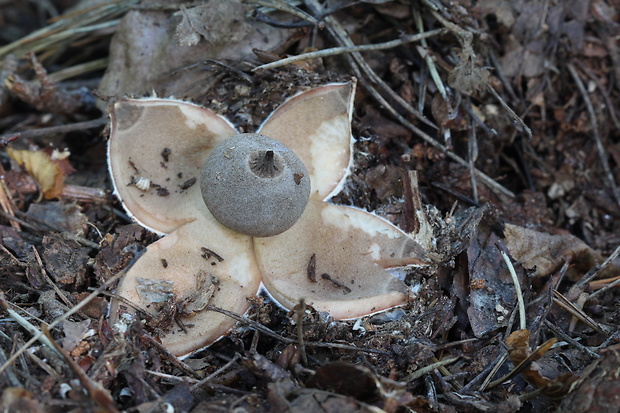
49 167
533 372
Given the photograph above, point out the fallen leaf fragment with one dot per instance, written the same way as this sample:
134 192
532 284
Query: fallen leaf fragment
544 253
525 361
48 167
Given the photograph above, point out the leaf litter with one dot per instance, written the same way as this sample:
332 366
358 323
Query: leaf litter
482 186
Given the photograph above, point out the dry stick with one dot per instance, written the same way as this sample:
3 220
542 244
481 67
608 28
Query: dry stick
533 356
98 394
511 112
518 292
575 311
52 284
277 336
5 202
430 63
595 130
64 27
10 374
605 289
60 319
340 35
79 69
64 234
464 36
472 149
332 24
558 332
498 188
484 373
287 8
594 272
334 51
608 103
34 133
72 237
24 323
300 332
427 369
216 373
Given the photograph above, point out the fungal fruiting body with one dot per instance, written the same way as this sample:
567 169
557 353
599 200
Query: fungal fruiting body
255 185
331 256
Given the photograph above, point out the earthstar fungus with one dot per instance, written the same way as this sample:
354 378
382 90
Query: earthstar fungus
333 256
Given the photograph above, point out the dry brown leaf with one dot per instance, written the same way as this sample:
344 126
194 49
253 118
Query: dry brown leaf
48 167
544 253
519 352
533 372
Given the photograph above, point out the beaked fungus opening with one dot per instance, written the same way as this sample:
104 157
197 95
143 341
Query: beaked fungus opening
255 185
265 164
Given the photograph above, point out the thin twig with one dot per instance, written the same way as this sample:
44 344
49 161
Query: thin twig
355 59
608 287
510 112
358 64
287 8
595 131
484 373
608 103
495 186
334 51
78 307
430 63
517 284
25 324
216 373
472 154
560 333
564 303
277 336
6 201
594 272
500 362
300 332
67 27
35 133
534 355
79 69
57 290
427 369
65 234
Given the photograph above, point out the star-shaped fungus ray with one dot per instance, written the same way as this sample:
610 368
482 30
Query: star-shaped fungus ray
333 256
155 153
316 125
201 263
